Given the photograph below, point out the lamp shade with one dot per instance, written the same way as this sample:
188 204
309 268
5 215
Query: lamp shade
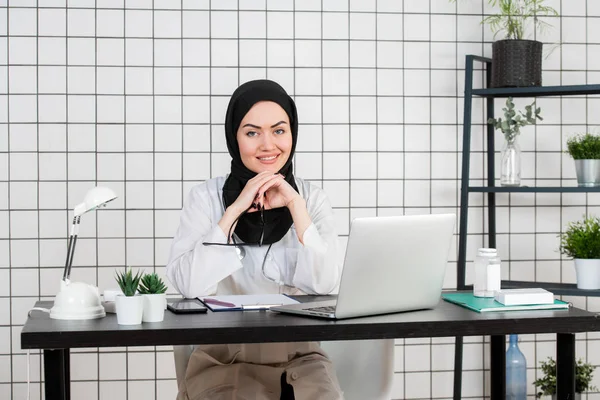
77 300
94 198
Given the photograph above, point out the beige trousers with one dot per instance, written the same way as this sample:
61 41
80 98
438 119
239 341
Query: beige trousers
253 372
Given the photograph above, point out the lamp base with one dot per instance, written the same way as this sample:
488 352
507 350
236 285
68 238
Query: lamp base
77 300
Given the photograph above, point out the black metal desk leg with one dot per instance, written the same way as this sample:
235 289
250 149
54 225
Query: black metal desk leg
458 359
565 366
57 374
498 367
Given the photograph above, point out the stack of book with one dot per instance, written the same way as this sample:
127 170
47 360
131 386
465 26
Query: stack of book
508 300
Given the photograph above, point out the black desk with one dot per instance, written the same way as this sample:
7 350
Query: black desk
57 337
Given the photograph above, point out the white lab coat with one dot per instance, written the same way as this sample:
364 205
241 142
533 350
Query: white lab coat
252 371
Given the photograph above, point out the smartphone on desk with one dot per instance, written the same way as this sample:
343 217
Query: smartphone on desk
186 306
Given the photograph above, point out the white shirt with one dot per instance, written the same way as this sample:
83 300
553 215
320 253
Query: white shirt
198 270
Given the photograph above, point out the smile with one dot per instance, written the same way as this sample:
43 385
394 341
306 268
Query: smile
270 158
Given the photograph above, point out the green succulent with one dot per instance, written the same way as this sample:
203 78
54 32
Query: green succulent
152 284
128 282
584 147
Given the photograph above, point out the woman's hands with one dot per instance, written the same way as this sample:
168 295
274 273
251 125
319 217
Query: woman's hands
277 193
265 189
247 200
251 196
271 191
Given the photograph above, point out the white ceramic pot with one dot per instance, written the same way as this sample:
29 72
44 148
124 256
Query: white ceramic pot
588 273
130 310
154 307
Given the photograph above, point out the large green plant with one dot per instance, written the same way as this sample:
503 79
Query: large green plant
584 147
152 284
582 239
128 282
512 123
547 383
513 17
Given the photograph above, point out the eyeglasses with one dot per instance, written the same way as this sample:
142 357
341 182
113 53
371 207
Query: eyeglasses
262 229
230 235
238 246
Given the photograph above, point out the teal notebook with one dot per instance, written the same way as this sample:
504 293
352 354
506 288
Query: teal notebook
485 304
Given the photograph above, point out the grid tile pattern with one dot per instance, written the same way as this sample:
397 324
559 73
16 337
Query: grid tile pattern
132 95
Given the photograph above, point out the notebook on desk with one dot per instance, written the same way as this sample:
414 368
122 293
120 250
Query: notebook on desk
489 304
245 302
392 264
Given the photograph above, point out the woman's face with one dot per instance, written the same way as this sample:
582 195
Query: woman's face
265 137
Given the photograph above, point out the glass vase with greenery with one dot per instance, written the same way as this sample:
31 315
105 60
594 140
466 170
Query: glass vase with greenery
547 383
510 126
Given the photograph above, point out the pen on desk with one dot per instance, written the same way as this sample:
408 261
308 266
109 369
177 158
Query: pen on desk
218 302
259 306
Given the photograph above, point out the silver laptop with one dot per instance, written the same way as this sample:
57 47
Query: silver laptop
392 264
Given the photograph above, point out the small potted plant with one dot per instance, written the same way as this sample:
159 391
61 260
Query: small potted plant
152 288
581 242
511 126
585 150
547 383
130 307
516 60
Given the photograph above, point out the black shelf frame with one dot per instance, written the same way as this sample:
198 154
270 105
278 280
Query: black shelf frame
561 289
497 352
569 90
531 189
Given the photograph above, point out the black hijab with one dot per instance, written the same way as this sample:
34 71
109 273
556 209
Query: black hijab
276 221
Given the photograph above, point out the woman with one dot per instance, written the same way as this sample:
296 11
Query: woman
289 246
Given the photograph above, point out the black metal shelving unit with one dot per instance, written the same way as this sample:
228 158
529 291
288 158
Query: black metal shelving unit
498 343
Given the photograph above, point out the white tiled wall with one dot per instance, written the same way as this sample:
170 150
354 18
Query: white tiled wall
134 98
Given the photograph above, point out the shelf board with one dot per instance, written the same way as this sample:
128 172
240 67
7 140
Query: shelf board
570 90
533 189
560 289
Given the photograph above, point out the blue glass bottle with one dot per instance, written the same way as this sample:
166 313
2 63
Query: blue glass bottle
516 371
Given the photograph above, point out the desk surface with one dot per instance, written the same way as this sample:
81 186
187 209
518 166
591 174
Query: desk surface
446 319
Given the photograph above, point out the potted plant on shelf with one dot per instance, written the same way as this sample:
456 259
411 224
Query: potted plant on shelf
516 60
581 242
547 383
585 150
152 288
130 307
511 126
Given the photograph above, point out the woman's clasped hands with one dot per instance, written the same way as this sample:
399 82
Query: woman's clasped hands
266 190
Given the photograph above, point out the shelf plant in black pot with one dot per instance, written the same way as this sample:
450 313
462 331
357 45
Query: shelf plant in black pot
585 150
517 60
547 383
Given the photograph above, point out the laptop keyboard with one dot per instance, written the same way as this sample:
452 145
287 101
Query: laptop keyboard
325 309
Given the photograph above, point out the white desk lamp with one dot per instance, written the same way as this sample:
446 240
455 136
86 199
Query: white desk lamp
78 300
